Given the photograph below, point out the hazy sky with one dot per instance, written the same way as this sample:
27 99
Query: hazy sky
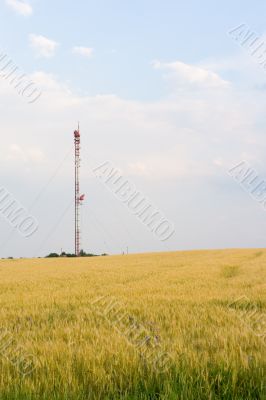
162 91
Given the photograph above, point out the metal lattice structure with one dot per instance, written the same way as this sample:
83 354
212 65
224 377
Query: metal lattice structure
78 198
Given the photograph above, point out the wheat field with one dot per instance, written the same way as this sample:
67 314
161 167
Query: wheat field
204 310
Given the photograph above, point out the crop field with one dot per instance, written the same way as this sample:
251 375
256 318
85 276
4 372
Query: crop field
181 325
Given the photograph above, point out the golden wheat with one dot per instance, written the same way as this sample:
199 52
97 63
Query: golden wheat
189 301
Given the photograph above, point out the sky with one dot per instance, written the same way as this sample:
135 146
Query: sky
163 91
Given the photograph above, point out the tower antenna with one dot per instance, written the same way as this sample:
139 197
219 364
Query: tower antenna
78 198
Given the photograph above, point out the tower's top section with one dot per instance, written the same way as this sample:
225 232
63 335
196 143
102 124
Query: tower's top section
77 134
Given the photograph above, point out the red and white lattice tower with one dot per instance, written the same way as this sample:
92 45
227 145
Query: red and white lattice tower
78 198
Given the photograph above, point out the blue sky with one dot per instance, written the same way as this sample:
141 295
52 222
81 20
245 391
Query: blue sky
126 37
162 91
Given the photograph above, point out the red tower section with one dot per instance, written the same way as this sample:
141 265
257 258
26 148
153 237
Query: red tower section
78 198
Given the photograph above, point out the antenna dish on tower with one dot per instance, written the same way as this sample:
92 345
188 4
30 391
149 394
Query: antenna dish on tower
78 197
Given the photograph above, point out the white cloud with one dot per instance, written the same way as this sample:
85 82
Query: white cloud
186 74
27 155
193 131
20 7
43 46
176 150
83 51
